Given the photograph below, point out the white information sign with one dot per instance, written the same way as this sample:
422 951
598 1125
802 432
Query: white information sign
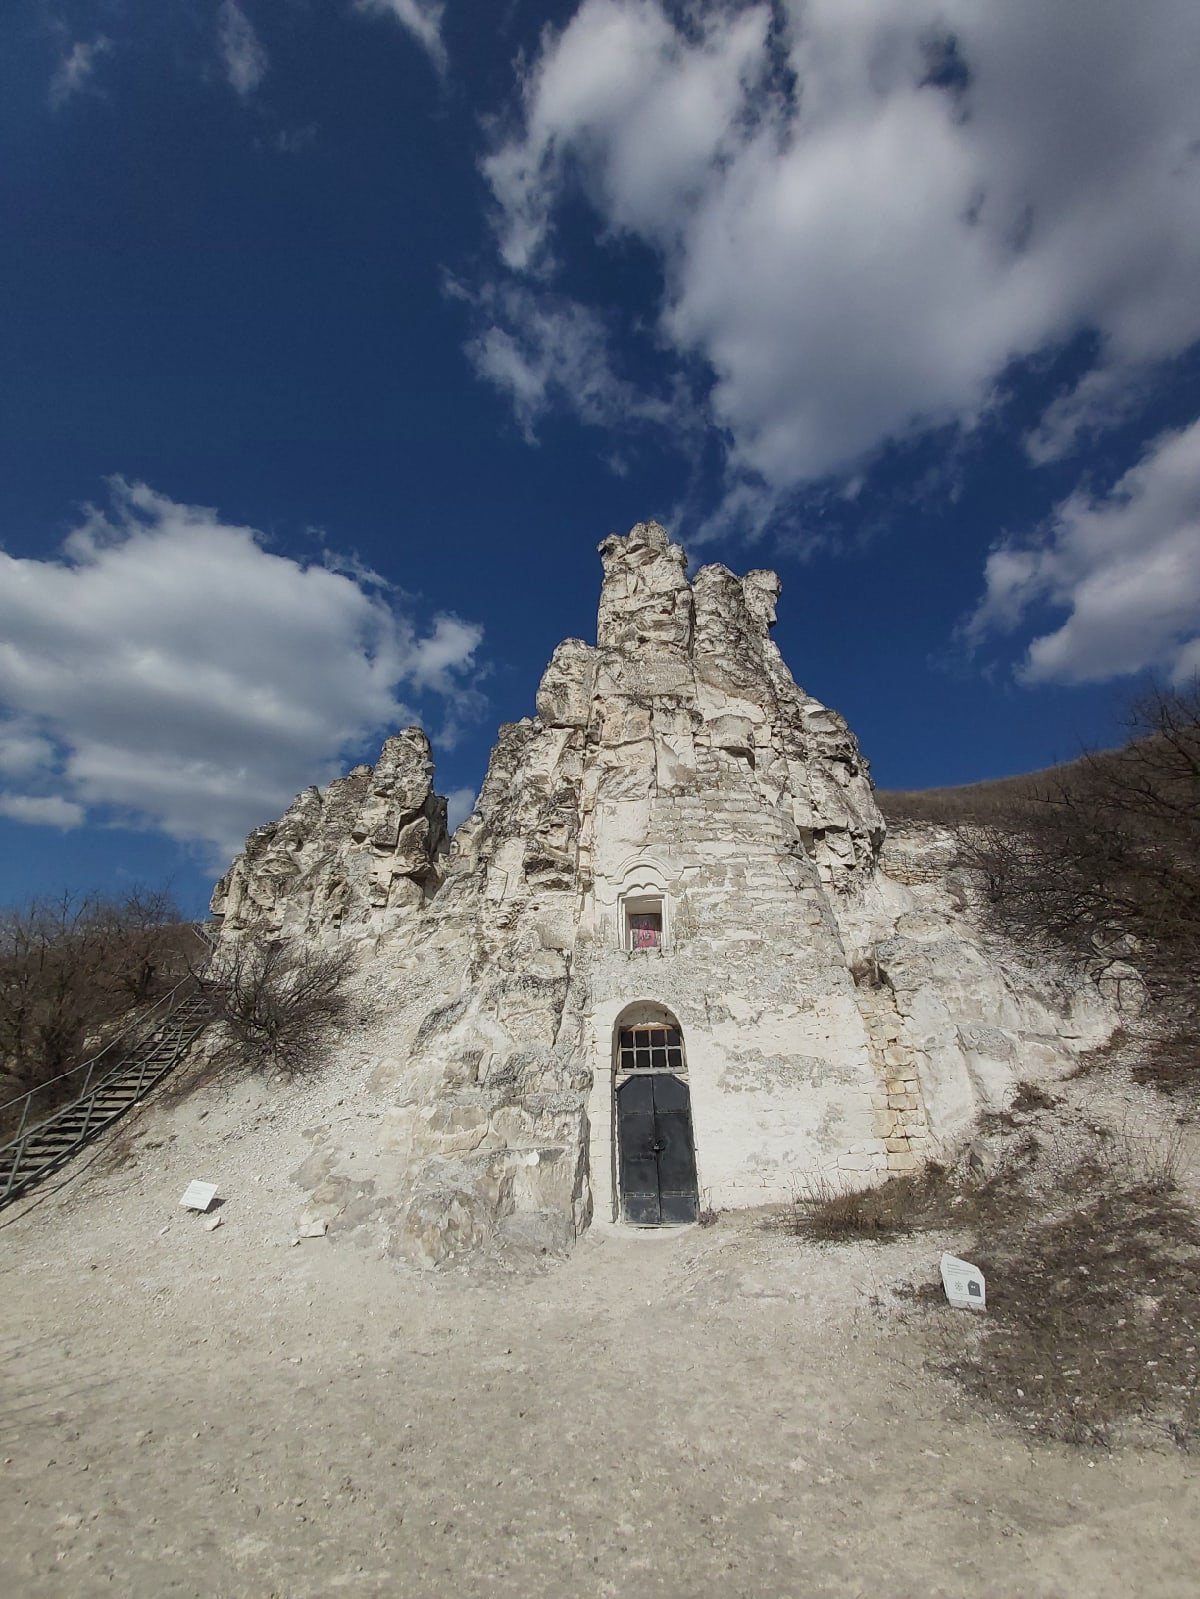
199 1196
964 1284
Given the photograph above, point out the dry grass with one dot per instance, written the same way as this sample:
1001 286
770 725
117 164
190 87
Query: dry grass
1093 1315
1093 1271
935 1196
823 1211
1170 1063
966 803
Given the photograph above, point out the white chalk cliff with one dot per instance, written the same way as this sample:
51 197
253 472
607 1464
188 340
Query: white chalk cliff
668 923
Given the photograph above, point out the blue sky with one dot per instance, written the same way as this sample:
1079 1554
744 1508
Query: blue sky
337 333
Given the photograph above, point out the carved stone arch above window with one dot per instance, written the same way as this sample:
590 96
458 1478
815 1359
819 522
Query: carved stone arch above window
643 908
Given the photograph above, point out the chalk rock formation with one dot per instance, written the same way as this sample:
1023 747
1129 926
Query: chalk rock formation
660 963
353 856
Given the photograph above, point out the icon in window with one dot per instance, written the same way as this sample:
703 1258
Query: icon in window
645 930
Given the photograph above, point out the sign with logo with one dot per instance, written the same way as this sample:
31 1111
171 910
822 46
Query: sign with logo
964 1284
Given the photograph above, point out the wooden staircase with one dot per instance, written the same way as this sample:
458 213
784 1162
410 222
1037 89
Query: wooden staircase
112 1082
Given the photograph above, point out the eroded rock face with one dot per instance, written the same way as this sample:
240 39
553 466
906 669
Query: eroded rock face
354 856
831 1018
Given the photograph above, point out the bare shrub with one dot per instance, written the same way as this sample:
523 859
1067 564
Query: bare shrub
71 968
1098 864
277 999
823 1210
1154 1161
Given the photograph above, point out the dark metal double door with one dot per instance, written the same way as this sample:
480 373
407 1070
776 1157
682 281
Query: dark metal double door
656 1150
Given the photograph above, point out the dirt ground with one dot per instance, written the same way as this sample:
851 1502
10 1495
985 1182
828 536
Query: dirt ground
722 1411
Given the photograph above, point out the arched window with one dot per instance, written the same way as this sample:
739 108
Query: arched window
647 1038
650 1047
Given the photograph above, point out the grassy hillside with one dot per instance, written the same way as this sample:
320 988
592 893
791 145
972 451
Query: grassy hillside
965 801
979 802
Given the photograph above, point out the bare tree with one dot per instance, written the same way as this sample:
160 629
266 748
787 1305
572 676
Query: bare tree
1102 861
277 999
72 966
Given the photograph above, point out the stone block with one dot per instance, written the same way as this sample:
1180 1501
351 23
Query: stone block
901 1163
858 1162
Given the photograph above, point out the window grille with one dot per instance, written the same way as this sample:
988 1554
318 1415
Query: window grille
650 1049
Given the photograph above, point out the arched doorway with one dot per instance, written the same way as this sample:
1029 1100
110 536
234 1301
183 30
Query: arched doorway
656 1153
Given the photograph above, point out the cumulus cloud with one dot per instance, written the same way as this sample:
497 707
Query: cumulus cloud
76 70
242 53
42 810
1124 566
421 18
171 671
864 211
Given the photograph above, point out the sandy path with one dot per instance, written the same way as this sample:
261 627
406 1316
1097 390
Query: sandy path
718 1412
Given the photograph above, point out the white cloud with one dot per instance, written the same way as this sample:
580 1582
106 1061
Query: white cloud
461 804
865 210
421 18
189 679
436 659
23 750
1102 398
242 53
544 352
1125 566
647 111
42 810
75 71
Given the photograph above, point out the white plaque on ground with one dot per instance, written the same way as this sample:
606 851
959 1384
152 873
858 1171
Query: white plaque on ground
199 1196
964 1284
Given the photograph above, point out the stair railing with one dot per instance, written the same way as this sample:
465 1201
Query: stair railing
14 1147
209 934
